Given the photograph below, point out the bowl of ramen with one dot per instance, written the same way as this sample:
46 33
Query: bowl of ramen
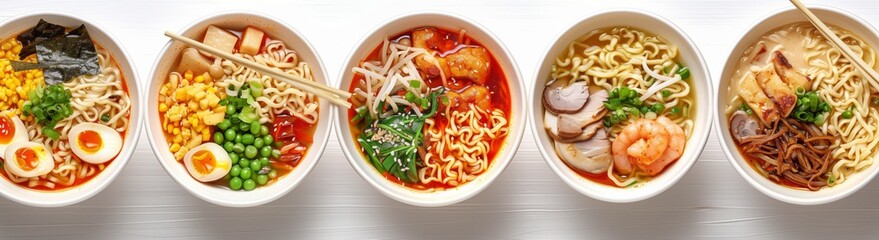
437 112
70 114
229 134
795 118
619 105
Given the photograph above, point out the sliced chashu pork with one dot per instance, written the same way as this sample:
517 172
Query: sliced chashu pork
592 156
559 99
778 91
788 74
577 126
753 95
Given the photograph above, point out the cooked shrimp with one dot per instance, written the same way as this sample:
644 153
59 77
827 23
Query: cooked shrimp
643 141
677 139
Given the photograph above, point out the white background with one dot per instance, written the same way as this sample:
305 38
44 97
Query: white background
528 201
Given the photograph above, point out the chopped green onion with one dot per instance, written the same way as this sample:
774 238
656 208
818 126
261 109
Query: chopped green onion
666 93
684 72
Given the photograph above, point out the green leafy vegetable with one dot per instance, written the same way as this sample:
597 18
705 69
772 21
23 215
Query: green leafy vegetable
105 118
49 105
391 143
811 108
62 57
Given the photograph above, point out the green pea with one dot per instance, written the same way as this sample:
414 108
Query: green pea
276 153
244 163
228 146
262 179
273 173
239 148
230 134
247 139
250 152
235 183
263 130
265 151
234 157
258 143
244 126
268 139
235 171
234 120
249 184
255 166
218 137
238 138
254 127
245 173
264 161
224 124
230 110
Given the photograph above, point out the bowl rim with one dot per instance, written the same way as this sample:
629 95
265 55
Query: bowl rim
726 145
305 168
549 154
513 140
133 131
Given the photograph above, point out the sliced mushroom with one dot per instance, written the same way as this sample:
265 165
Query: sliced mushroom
741 125
788 74
558 98
592 156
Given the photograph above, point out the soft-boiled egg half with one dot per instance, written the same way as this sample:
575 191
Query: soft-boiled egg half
207 162
12 130
28 159
94 143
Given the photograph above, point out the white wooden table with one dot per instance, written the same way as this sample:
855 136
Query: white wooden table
527 202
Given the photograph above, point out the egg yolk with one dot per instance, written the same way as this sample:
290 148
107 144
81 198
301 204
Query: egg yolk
7 130
26 158
204 162
90 141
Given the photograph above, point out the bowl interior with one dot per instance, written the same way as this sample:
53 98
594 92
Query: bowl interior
73 195
778 19
167 61
700 80
516 117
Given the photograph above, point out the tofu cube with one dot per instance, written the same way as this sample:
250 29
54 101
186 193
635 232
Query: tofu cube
220 39
252 40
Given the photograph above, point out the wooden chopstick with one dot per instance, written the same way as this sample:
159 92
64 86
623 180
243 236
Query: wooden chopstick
859 63
333 95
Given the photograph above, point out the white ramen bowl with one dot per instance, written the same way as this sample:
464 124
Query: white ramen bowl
516 117
168 59
88 189
699 79
777 19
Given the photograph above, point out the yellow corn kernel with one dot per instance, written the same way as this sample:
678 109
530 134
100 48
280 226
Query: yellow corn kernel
187 75
199 95
176 131
175 147
199 79
205 135
178 138
204 104
163 107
